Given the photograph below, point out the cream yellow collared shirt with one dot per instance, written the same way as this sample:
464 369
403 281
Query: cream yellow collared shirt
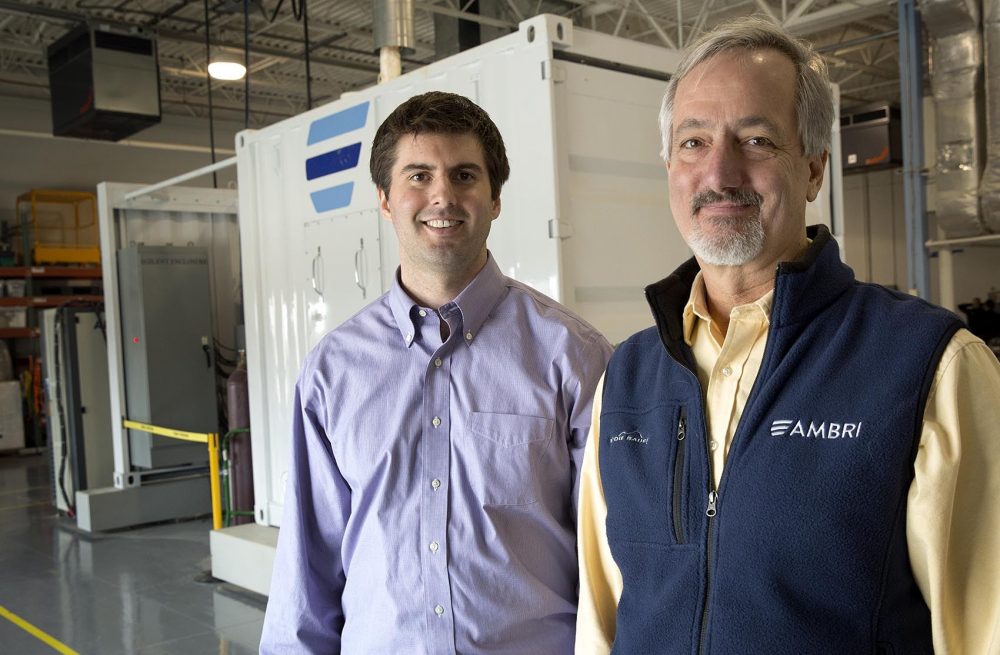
953 514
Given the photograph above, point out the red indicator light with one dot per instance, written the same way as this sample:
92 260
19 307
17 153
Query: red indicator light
135 339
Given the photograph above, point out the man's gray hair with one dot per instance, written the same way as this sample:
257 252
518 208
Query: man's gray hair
813 98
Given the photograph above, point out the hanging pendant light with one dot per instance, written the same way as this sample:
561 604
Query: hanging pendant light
225 66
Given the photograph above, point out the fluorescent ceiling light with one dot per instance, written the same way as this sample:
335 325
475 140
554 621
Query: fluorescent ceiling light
227 70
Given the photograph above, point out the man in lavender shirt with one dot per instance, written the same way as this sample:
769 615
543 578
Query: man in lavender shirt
438 434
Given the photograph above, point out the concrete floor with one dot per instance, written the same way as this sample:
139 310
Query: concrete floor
122 593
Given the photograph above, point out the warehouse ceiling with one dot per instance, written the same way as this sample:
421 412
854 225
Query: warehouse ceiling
857 38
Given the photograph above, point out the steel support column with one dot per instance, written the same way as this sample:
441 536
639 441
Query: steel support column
914 182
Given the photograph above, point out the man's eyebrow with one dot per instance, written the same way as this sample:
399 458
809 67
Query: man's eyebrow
691 124
758 121
420 166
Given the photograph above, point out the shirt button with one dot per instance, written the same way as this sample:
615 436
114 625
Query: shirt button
409 338
436 421
727 371
434 546
435 483
438 362
468 336
438 610
713 444
422 313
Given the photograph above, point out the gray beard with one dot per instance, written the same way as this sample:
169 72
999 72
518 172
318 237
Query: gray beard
738 244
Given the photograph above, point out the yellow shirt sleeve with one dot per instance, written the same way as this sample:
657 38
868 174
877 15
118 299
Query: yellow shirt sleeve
953 516
600 578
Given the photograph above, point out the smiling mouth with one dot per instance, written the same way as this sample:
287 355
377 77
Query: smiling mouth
442 223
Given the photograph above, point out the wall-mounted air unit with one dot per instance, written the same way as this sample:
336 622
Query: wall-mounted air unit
870 138
104 84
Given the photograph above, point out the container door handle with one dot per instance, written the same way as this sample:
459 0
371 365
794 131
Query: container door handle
360 270
317 272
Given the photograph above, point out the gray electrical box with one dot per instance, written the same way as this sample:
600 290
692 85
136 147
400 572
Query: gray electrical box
167 345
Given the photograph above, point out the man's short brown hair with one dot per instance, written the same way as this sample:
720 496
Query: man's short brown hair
437 112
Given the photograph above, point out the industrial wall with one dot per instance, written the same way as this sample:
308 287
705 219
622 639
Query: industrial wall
33 158
874 232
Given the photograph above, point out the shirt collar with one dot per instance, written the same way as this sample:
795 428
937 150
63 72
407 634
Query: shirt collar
697 308
473 304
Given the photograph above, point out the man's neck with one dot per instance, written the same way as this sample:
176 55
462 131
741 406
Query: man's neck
434 289
727 287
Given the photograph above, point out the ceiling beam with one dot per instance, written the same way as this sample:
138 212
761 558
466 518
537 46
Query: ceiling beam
464 15
192 37
835 16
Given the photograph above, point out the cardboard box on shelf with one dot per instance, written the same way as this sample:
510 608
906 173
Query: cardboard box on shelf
13 317
14 288
11 419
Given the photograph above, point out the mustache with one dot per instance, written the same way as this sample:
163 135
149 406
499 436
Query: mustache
446 214
743 197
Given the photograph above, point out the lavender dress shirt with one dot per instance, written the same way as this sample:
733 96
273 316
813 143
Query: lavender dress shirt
431 502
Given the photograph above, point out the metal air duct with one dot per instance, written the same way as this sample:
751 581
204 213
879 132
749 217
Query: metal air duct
989 188
394 35
956 60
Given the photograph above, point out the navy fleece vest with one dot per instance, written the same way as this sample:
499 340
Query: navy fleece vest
806 551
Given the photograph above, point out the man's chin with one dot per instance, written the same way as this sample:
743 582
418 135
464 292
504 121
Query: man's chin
737 250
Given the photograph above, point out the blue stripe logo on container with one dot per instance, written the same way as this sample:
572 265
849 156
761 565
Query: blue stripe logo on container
347 120
332 162
332 198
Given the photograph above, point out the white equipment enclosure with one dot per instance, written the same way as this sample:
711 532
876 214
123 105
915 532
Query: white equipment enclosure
585 216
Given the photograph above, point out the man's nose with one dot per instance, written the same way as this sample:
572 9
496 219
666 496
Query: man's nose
725 167
443 191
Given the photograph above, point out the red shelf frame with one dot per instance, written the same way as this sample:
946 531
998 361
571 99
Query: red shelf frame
92 272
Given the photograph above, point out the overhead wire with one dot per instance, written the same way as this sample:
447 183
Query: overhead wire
246 62
208 81
300 11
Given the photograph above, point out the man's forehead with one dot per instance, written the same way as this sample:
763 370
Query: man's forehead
753 87
429 148
736 63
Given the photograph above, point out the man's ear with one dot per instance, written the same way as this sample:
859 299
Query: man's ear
496 208
383 204
817 165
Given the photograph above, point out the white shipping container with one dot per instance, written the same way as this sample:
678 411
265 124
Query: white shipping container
585 216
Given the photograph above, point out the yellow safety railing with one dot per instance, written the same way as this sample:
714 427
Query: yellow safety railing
210 438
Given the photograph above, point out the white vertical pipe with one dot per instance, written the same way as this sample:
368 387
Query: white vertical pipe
946 276
390 63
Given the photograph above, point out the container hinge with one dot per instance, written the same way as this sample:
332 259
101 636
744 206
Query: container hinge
559 229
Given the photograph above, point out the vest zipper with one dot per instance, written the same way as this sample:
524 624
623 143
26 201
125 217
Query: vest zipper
678 478
710 512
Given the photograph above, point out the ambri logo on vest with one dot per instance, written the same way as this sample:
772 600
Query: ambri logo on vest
813 430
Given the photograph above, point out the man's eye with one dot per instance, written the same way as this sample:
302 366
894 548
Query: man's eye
690 144
465 176
760 141
419 177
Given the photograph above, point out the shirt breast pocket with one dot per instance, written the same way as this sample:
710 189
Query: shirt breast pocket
515 457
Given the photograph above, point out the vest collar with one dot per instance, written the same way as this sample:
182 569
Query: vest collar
802 289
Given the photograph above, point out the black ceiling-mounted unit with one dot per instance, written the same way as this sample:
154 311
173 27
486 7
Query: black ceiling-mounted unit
104 84
870 138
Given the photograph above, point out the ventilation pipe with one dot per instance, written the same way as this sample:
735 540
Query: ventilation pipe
393 35
956 60
989 189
